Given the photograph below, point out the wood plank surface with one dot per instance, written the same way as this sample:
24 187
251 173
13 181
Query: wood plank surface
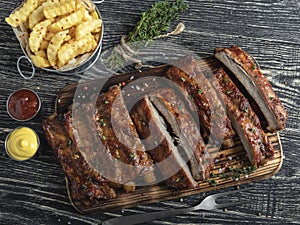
34 192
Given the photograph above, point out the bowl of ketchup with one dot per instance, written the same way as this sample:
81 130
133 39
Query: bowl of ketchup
23 104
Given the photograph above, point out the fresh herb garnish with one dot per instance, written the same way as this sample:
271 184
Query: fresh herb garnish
212 182
177 180
235 173
183 79
152 24
156 20
200 91
224 175
132 155
229 92
104 137
102 122
69 142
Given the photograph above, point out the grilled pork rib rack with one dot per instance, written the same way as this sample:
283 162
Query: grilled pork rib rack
94 139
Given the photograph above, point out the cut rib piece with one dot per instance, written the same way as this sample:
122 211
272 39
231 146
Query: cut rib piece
212 116
119 135
171 105
160 145
244 120
86 183
256 84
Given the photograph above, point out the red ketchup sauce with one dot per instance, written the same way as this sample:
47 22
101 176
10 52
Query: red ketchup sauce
23 104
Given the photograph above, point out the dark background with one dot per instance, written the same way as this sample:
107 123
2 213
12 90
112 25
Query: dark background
34 192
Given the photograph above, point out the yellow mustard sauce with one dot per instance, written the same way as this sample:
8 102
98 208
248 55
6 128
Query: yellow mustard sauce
22 143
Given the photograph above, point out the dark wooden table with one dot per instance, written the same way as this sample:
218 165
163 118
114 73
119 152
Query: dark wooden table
34 192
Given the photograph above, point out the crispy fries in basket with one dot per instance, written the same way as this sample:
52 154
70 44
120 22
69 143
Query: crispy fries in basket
59 31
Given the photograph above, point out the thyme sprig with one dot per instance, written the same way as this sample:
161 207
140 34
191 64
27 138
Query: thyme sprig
152 23
156 20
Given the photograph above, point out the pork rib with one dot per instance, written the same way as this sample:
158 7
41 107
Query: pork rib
244 120
171 106
119 135
86 183
213 118
256 84
160 145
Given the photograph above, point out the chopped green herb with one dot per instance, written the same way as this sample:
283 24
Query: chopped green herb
224 175
229 92
212 182
246 110
177 180
102 122
271 97
212 175
132 155
183 79
106 102
200 91
225 80
237 174
252 130
104 137
254 67
69 142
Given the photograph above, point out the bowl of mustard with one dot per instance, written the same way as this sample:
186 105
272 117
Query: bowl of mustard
22 143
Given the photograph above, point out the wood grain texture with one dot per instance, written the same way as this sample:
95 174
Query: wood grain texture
34 192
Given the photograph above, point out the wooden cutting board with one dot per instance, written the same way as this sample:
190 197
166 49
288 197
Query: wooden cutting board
239 170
